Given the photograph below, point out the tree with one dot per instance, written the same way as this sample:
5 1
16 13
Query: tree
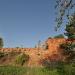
70 28
68 49
1 43
63 12
64 8
59 36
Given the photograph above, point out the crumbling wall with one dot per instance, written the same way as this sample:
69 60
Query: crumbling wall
36 55
54 44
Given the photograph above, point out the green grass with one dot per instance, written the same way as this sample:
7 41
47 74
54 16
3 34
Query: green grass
13 70
41 71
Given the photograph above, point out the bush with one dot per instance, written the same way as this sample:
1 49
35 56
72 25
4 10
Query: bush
2 54
66 69
61 69
59 36
68 51
21 59
50 64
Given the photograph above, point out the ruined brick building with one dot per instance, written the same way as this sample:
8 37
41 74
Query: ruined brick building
36 54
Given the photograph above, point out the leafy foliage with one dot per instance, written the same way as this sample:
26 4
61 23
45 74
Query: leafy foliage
21 59
70 28
68 50
59 36
63 8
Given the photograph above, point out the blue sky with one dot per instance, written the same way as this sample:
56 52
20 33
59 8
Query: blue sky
25 22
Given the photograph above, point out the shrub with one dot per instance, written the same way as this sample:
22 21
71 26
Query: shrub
21 59
50 64
66 69
61 68
68 51
59 36
2 54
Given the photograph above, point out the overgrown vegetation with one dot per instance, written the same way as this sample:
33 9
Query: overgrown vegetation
2 54
21 59
13 70
68 48
62 69
49 64
68 51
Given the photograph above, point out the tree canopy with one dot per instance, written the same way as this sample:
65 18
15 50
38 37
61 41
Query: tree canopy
70 28
64 9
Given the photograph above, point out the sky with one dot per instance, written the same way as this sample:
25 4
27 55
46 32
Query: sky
24 22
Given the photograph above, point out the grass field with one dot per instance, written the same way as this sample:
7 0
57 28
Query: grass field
19 70
13 70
